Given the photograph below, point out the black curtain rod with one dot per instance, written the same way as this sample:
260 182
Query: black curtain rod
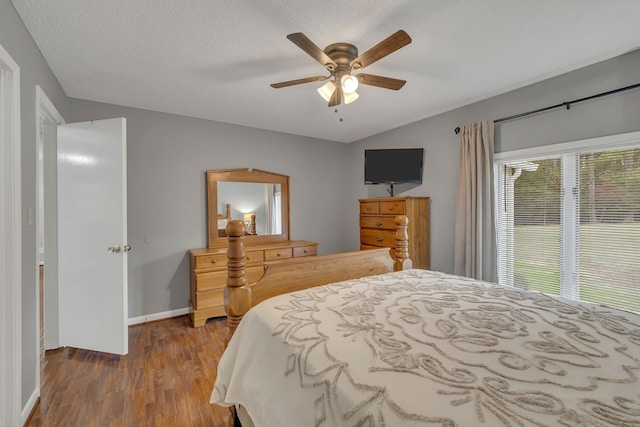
563 104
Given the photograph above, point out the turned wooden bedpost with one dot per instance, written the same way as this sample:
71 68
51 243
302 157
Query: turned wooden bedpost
237 294
252 229
402 261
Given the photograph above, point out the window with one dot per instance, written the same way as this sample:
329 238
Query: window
568 220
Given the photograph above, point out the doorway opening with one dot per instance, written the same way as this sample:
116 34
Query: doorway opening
47 120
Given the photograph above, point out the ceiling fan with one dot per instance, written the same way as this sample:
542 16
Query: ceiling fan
340 60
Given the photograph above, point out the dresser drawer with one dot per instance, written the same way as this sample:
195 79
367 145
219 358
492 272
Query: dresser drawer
210 298
392 208
206 262
377 237
384 222
305 251
210 280
254 256
372 208
280 253
218 279
211 261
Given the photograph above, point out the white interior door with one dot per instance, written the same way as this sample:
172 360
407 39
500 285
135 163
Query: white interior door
92 235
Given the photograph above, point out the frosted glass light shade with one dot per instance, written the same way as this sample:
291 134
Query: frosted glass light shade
327 90
350 97
349 84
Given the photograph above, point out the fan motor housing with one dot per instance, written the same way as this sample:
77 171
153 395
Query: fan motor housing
342 53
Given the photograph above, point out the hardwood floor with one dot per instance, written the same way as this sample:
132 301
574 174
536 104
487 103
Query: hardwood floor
165 380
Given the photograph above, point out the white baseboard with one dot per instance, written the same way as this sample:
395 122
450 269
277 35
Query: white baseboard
31 403
158 316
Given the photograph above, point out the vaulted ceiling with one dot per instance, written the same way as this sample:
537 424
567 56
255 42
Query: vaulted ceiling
216 59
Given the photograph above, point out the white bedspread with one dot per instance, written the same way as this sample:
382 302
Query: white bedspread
421 348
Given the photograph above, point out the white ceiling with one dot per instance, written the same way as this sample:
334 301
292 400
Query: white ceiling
215 59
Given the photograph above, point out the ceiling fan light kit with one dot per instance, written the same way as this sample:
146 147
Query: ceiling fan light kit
350 97
326 90
340 60
349 84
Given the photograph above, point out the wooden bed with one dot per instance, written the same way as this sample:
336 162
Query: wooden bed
361 339
290 275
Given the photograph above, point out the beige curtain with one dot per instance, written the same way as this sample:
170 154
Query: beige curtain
475 242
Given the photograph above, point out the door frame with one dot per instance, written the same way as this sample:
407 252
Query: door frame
11 250
47 119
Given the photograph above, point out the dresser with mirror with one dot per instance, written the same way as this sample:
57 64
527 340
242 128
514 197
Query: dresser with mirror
261 200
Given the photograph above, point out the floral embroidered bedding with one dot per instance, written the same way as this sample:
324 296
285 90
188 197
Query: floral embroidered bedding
422 348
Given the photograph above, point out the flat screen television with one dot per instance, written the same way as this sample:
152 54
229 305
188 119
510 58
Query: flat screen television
393 166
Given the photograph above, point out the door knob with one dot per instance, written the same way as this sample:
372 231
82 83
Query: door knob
113 249
127 248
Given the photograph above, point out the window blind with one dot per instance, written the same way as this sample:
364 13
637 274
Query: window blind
531 225
569 225
609 228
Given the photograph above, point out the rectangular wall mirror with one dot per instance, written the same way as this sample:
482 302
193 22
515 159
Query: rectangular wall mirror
259 198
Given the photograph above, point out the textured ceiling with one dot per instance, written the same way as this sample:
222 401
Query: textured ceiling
215 59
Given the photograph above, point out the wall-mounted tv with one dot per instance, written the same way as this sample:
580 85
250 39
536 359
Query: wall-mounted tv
393 166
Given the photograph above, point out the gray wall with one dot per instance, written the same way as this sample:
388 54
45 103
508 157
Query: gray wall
605 116
167 158
33 71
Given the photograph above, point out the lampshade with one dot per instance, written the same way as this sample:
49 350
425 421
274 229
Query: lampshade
349 84
247 217
350 97
327 90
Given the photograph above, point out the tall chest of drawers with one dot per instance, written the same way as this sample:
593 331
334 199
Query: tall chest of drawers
377 225
209 273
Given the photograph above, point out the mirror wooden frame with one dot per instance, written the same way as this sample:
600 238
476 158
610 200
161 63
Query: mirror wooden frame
244 175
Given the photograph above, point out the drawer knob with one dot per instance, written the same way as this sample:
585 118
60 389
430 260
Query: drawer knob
215 261
378 224
379 239
390 208
248 258
279 254
305 251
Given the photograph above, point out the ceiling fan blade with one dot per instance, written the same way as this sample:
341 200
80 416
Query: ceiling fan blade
314 51
299 81
336 96
379 81
387 46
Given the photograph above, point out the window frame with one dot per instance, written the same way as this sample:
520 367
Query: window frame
568 152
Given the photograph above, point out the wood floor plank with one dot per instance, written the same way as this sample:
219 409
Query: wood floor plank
165 380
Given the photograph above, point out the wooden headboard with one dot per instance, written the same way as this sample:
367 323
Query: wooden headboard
294 274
